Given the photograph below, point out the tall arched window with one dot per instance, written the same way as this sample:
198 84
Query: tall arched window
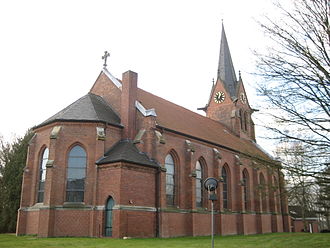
225 196
75 184
245 121
276 195
199 185
246 189
263 192
170 180
42 175
240 113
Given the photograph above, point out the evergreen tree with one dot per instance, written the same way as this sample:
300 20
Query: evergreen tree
12 162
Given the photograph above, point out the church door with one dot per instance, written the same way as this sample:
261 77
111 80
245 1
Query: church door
108 217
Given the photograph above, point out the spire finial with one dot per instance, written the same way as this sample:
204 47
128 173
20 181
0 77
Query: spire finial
104 57
239 75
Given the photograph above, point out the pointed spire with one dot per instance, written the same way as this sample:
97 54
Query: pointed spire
226 72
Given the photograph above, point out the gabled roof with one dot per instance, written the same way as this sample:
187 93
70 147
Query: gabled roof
90 108
226 71
183 121
126 151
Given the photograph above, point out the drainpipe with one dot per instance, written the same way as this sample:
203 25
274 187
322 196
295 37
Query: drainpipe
280 181
157 196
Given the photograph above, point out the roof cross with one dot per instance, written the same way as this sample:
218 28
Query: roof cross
105 56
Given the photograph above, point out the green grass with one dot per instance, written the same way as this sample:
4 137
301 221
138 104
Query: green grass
285 240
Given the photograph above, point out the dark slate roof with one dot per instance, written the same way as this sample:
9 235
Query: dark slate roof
126 151
226 70
90 108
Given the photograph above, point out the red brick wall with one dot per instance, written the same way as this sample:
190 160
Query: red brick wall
266 223
174 224
249 223
140 224
279 223
228 225
108 90
202 224
73 222
33 224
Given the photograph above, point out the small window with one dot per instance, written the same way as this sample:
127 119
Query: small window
76 173
42 175
170 180
199 185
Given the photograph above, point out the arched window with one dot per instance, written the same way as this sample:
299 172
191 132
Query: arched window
42 175
170 180
246 195
75 184
199 185
245 121
225 192
276 195
240 113
263 192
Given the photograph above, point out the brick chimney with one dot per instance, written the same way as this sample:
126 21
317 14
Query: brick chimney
128 109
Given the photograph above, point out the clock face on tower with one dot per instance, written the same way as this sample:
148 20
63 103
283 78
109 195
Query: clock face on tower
219 97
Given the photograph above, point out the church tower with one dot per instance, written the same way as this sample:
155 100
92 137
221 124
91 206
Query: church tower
228 103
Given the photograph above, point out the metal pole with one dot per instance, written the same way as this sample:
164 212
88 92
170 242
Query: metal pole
212 224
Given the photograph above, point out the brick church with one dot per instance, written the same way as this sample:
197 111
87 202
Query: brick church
122 162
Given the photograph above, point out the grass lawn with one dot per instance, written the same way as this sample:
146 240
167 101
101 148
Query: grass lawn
285 240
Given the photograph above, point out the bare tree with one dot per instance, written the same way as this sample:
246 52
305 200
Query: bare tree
301 189
323 198
296 77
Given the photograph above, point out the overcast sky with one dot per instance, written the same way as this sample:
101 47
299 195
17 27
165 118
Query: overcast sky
50 51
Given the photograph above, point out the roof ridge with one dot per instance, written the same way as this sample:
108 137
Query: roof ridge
96 113
197 114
